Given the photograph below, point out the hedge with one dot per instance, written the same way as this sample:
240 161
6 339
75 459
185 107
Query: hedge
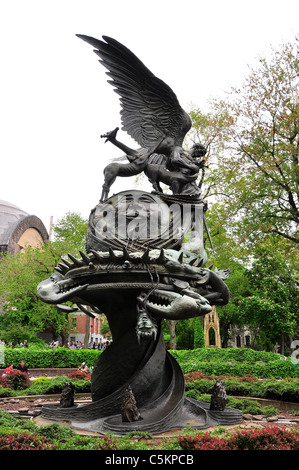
224 354
235 362
275 369
36 358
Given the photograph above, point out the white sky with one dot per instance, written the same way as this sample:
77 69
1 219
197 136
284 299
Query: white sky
55 100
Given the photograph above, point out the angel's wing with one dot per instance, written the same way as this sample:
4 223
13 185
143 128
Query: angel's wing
150 109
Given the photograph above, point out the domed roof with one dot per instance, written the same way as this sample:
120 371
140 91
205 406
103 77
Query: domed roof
9 207
10 215
14 221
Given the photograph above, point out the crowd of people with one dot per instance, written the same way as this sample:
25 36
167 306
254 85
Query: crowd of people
101 344
12 345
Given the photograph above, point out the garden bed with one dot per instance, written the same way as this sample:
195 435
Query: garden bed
48 372
24 434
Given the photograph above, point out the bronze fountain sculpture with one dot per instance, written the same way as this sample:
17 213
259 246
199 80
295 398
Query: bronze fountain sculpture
145 262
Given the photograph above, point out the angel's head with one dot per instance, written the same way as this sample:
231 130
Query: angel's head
198 150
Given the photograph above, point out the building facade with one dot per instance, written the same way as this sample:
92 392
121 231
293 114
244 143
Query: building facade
83 325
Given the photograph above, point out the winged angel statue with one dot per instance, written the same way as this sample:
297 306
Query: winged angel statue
153 117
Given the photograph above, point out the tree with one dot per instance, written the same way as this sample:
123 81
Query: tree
72 228
20 274
227 254
171 325
274 304
105 328
199 337
253 141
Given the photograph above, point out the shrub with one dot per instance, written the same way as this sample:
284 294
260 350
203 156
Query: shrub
245 405
17 380
24 441
108 442
55 431
82 386
43 358
40 380
238 355
251 406
55 386
7 419
3 382
236 362
6 392
78 375
267 438
192 376
204 442
210 361
45 387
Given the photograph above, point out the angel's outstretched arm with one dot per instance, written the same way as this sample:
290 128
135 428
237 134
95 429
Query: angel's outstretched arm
111 137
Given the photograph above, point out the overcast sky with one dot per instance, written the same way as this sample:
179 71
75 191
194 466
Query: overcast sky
55 101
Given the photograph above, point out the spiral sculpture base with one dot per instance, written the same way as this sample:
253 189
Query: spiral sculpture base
158 385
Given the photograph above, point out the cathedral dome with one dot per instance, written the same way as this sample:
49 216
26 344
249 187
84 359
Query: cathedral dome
18 228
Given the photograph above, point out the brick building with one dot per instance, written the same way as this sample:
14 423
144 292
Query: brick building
82 325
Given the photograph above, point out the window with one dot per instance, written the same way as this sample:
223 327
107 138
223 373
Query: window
212 337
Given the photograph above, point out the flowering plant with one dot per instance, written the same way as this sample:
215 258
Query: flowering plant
24 441
267 438
79 375
16 380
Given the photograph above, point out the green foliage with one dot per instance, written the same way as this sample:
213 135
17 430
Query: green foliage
245 405
235 362
252 137
139 434
73 228
6 392
57 437
56 432
24 314
227 354
272 309
210 361
185 333
199 339
45 358
248 386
